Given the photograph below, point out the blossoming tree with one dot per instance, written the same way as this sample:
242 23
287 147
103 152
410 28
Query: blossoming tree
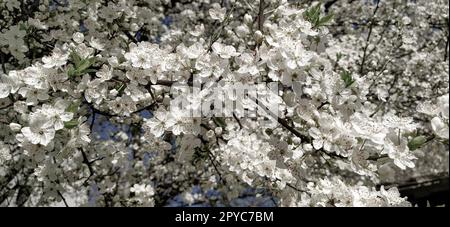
87 93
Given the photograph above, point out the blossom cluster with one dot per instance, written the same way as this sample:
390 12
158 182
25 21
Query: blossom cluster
87 91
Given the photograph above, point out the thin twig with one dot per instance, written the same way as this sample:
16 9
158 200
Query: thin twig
91 126
295 188
2 61
238 121
283 122
63 199
212 159
361 71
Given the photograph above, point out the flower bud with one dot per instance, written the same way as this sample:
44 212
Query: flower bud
134 27
296 140
258 36
210 134
218 130
78 37
248 19
15 127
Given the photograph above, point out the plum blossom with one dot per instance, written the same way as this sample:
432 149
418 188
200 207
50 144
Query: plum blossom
118 103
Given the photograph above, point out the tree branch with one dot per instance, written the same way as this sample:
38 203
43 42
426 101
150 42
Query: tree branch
361 71
63 199
261 15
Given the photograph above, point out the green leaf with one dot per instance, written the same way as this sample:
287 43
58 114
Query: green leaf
76 59
313 16
121 88
220 121
71 71
346 76
73 107
82 66
338 56
417 142
324 20
23 27
90 71
71 124
289 140
85 64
